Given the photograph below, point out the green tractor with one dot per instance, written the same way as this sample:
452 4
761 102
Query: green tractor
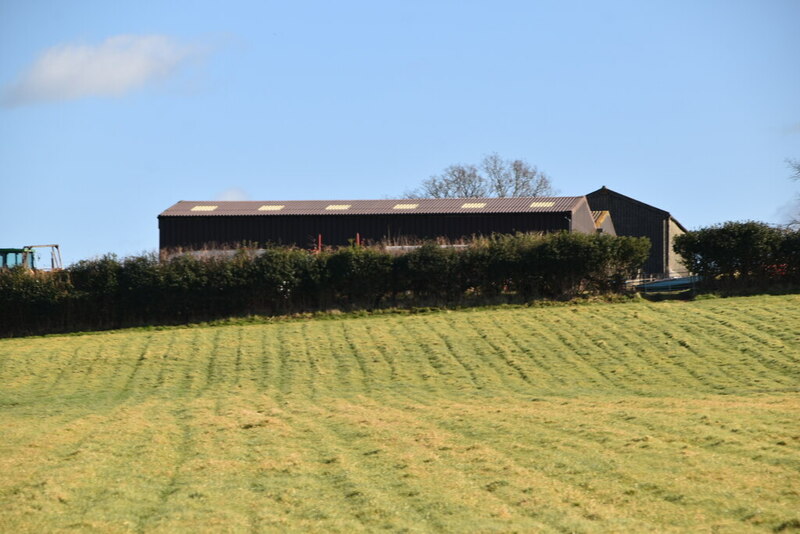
26 257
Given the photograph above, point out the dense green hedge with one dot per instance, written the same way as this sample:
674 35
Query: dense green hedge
737 255
110 293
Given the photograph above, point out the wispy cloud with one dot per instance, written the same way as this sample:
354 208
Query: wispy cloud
112 68
233 193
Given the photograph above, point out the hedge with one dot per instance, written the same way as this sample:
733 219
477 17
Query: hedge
739 255
109 292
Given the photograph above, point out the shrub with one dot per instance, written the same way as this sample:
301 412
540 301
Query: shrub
492 265
617 259
737 253
357 276
788 257
429 273
140 297
32 300
273 278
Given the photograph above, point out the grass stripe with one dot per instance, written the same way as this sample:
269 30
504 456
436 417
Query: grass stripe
668 417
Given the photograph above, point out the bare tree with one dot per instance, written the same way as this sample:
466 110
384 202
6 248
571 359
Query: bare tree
528 181
499 178
497 174
794 164
457 181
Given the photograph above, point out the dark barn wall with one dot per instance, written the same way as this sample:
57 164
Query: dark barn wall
633 218
198 232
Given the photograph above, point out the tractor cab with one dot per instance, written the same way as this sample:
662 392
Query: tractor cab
25 257
16 257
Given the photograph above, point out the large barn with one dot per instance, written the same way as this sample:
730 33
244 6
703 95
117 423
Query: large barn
634 218
214 225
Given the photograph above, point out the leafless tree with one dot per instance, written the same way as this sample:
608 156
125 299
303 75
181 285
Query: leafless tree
497 174
499 178
794 164
457 181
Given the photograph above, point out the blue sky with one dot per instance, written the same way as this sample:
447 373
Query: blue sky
112 111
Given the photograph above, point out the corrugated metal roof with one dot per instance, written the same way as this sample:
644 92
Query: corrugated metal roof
272 208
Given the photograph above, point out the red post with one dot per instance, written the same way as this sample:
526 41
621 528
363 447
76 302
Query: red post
358 239
319 243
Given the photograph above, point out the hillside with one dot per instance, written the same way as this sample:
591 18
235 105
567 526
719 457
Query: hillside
668 416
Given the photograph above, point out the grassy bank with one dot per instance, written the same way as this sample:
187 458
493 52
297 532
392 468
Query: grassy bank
671 416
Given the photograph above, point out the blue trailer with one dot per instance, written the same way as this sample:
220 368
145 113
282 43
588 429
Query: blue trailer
670 284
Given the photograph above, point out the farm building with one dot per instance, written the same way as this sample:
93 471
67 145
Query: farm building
603 222
634 218
199 225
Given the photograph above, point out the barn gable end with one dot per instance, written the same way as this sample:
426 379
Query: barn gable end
635 218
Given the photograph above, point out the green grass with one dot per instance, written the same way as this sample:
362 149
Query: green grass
638 417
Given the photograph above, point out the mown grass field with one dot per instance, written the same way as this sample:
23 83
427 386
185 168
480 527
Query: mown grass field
640 417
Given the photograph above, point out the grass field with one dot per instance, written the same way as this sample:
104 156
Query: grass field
638 417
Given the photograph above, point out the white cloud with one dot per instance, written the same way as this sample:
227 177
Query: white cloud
112 68
233 193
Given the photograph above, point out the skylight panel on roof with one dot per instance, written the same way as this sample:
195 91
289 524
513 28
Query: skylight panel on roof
204 208
405 206
542 204
333 207
473 205
271 207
